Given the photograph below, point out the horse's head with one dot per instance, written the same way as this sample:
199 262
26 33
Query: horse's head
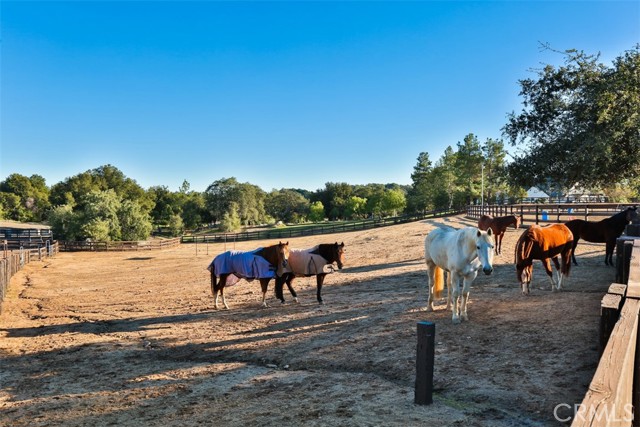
338 254
484 246
282 251
516 224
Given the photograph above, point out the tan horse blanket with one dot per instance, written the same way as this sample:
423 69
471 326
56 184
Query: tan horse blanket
304 263
242 265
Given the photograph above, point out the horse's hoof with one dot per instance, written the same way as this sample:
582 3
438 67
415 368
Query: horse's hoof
465 317
296 300
455 321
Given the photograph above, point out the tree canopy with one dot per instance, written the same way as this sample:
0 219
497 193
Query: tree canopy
580 123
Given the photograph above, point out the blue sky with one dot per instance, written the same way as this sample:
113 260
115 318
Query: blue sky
277 94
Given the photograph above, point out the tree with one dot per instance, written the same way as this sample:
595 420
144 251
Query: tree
495 172
287 205
420 196
333 198
99 217
316 212
107 177
468 166
580 123
33 195
193 210
393 202
135 223
231 220
64 222
355 207
443 181
219 196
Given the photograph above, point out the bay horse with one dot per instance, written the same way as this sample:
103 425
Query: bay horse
606 231
544 243
316 261
498 225
263 264
461 252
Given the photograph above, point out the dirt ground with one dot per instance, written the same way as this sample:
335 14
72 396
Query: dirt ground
132 339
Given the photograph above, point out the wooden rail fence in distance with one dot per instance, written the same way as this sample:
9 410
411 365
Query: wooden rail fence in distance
12 261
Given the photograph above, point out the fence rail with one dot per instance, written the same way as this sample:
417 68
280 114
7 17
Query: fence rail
143 245
613 397
12 261
286 233
535 213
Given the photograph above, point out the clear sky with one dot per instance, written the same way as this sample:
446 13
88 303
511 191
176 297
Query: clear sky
277 94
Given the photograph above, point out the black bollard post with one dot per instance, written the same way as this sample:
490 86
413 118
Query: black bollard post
424 363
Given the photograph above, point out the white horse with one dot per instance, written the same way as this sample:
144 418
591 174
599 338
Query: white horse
462 253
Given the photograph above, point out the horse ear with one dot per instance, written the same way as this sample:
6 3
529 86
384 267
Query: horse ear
479 233
489 232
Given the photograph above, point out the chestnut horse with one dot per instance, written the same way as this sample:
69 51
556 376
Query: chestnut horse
262 263
544 243
498 225
316 261
462 253
605 231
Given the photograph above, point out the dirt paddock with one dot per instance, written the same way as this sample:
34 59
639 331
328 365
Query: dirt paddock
132 339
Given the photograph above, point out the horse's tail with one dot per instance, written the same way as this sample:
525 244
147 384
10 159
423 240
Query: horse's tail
214 281
438 282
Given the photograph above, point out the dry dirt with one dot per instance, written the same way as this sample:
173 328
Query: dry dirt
132 339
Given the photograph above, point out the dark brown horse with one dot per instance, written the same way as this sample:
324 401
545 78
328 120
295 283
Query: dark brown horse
498 225
262 263
316 261
544 243
605 231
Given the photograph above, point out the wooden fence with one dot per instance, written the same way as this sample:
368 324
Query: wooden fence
613 396
535 213
12 261
329 228
143 245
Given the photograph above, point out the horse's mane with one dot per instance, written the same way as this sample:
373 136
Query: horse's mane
525 243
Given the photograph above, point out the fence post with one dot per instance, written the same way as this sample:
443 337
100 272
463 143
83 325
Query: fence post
424 363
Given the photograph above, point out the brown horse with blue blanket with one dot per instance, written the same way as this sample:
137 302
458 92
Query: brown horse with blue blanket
262 263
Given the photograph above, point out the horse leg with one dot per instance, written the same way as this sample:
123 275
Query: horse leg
547 267
448 291
455 283
608 257
573 250
218 289
278 287
431 276
319 282
559 274
289 283
466 288
264 283
499 243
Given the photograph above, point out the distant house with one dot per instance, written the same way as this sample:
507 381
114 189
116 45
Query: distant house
534 194
581 195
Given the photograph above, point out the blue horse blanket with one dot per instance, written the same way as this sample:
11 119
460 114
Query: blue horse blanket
242 265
